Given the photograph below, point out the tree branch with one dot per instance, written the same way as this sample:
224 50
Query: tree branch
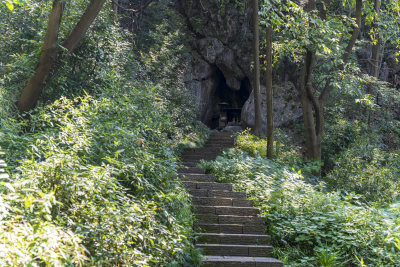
355 33
141 8
328 87
32 90
83 25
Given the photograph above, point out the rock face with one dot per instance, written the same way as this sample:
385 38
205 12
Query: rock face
287 107
222 51
221 69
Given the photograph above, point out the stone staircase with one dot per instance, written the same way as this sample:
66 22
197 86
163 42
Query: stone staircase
228 227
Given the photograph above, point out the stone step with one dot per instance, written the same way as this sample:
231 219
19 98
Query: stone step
201 150
237 261
190 164
219 201
197 177
233 239
219 133
236 250
193 162
198 157
191 170
228 219
230 228
218 143
222 210
220 138
217 193
207 185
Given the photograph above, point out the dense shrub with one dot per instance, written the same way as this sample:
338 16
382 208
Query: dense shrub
109 177
309 225
284 153
93 170
102 172
366 169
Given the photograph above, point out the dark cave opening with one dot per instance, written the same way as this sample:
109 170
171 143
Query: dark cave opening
228 102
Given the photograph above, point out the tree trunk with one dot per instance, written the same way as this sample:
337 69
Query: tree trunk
83 25
376 46
46 67
256 82
309 105
270 115
355 33
313 106
115 6
33 88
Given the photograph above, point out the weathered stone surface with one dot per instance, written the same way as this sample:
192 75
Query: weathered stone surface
232 129
223 42
191 170
237 261
231 228
196 177
236 250
226 222
205 185
287 107
217 193
242 239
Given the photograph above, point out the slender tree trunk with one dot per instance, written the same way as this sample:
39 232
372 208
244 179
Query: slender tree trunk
376 47
356 31
313 106
309 106
83 25
256 82
47 67
115 6
269 93
33 88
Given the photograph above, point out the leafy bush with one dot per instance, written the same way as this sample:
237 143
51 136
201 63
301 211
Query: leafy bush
93 178
367 170
310 226
110 179
285 152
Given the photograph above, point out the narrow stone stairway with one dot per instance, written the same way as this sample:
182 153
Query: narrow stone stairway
229 230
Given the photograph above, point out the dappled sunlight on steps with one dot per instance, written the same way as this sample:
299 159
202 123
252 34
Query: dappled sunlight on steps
229 230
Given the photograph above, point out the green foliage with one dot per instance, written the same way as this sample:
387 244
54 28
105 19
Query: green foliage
110 180
327 258
285 154
311 227
367 170
251 144
93 175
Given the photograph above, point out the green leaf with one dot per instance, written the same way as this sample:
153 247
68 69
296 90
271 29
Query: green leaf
28 201
10 6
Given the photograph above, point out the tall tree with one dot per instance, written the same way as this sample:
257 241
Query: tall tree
256 81
48 57
374 63
33 88
269 93
312 104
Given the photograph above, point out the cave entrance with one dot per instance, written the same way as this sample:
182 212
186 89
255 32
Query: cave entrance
228 102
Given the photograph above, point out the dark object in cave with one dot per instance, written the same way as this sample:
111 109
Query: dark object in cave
228 115
229 102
